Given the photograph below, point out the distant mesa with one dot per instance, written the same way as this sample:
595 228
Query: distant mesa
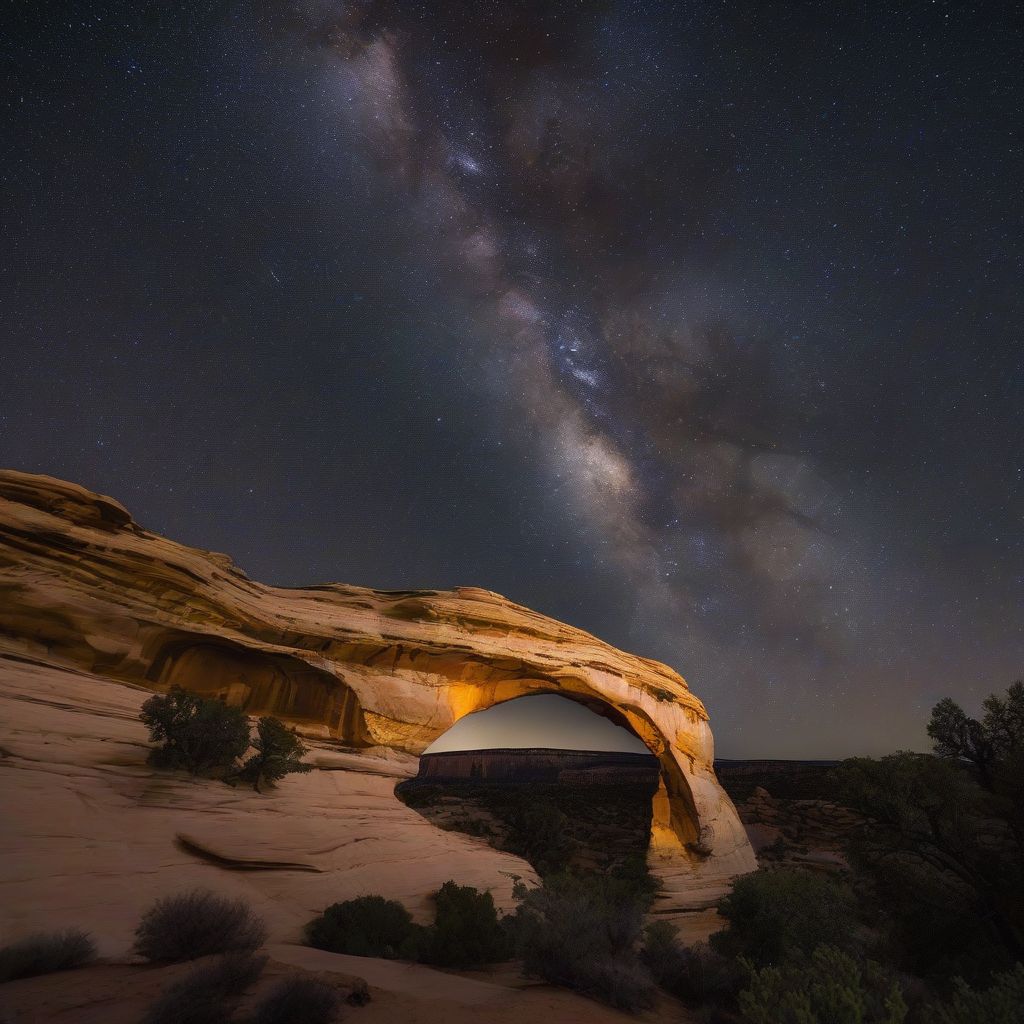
521 765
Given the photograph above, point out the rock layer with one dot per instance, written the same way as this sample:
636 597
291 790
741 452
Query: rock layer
83 585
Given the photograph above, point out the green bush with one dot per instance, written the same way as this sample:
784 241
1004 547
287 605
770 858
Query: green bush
207 994
279 752
570 937
829 988
1001 1003
466 931
366 926
204 737
773 915
46 953
298 1000
195 924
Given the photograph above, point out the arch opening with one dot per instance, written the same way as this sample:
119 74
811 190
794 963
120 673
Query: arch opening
566 780
261 683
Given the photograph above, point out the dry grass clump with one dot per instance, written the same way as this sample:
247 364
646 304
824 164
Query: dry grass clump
46 953
195 924
298 1000
207 994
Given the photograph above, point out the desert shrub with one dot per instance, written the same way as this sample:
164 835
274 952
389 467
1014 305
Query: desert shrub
298 1000
706 975
207 994
539 833
662 952
773 915
694 973
570 937
195 924
1001 1003
201 736
45 953
366 926
466 931
829 987
279 752
619 981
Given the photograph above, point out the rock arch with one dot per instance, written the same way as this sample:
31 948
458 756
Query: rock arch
83 584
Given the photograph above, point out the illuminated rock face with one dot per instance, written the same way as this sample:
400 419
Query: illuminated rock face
81 584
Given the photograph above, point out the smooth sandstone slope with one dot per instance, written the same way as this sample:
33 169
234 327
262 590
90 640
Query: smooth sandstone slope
90 835
84 588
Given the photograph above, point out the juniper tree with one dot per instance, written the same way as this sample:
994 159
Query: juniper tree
202 736
279 752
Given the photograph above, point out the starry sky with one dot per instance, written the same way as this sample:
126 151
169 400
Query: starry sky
696 325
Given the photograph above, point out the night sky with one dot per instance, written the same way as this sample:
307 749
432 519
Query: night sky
695 325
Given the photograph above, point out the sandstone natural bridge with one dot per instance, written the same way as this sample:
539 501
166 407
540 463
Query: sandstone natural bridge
83 585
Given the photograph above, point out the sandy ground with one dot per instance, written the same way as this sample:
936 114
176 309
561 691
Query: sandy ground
400 994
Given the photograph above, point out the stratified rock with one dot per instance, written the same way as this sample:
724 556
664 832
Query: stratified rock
83 586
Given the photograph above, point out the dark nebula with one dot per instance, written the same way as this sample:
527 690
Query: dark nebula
697 326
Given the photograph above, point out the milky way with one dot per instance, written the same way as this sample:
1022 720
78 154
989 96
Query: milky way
697 327
541 193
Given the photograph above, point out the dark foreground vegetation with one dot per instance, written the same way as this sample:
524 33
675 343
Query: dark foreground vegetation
208 994
575 931
927 926
466 931
189 926
555 827
198 924
46 953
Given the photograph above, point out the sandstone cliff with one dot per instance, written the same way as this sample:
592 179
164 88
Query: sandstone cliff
85 589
